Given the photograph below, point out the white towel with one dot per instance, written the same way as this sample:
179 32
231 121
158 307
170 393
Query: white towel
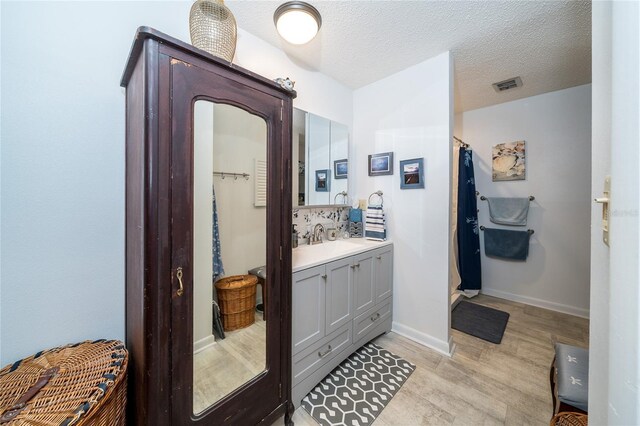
374 225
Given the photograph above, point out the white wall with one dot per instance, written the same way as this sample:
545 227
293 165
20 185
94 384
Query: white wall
203 143
317 93
240 139
62 128
614 399
410 114
556 127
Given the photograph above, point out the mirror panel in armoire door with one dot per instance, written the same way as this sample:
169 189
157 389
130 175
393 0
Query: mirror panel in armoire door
222 136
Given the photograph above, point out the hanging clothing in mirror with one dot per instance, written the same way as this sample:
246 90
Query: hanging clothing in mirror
218 268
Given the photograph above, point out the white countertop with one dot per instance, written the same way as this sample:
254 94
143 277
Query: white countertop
306 256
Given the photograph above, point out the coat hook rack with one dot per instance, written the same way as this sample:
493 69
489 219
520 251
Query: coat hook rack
234 175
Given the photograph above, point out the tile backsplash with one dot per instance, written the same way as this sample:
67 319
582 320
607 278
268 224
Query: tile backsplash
304 219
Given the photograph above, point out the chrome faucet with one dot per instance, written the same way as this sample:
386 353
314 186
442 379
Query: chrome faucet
316 237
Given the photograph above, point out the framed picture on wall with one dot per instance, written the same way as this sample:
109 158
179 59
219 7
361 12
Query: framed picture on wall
340 169
508 161
412 173
381 164
323 180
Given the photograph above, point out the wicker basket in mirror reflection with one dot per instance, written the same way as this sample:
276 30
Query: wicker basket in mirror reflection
237 301
213 28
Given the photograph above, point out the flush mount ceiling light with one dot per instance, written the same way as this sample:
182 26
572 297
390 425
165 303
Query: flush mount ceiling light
297 22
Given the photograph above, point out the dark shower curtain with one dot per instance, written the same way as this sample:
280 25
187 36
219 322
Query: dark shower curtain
468 230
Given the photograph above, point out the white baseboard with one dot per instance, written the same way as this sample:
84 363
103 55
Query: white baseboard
455 299
204 343
553 306
441 346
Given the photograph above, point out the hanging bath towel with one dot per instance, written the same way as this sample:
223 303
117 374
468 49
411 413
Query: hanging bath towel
374 226
218 269
468 232
509 210
506 244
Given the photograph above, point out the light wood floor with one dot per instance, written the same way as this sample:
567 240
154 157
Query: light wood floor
230 362
483 383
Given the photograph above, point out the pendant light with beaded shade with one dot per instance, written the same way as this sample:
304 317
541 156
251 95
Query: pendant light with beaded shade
213 28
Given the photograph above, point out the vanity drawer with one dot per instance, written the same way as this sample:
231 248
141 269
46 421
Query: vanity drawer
313 357
371 318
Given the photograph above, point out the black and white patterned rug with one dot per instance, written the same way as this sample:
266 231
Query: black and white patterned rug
357 390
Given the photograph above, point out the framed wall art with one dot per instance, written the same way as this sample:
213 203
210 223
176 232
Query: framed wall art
323 180
412 173
508 161
381 164
340 169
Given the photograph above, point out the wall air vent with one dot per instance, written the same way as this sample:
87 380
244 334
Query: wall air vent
511 83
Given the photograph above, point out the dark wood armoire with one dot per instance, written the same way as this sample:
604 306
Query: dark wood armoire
165 79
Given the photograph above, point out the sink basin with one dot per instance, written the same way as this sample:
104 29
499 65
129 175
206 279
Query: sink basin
307 256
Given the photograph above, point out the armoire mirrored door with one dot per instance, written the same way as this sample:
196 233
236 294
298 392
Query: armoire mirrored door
208 209
219 230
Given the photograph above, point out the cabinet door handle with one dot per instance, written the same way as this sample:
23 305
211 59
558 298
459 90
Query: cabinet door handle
324 277
180 291
375 317
353 266
325 353
357 265
378 257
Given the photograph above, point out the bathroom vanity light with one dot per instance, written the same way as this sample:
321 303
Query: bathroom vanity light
297 22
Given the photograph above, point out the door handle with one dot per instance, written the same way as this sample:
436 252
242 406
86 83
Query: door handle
324 277
180 291
605 200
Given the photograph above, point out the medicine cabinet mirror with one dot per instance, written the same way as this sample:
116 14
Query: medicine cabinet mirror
321 148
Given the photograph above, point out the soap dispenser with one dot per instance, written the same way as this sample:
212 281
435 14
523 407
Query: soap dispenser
294 237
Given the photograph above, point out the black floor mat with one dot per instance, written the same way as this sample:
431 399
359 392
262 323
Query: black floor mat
479 321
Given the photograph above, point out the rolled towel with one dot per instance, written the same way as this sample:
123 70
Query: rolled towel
506 244
355 215
508 210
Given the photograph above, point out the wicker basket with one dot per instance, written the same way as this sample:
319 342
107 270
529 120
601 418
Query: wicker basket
81 384
237 300
569 418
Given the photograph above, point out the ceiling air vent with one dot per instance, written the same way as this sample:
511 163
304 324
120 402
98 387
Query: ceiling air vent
512 83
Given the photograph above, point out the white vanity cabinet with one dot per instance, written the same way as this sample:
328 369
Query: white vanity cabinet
337 307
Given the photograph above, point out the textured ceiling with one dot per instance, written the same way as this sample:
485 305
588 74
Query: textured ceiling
547 43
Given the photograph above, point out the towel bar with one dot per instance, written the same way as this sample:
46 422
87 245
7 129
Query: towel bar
530 231
483 198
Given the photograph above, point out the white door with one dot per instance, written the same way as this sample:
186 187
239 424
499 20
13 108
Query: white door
614 370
